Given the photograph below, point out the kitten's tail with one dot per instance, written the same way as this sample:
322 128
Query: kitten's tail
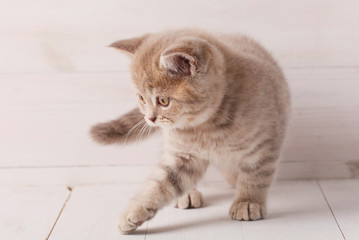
127 128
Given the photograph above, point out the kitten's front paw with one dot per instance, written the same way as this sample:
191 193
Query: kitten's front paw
135 217
193 199
245 211
105 133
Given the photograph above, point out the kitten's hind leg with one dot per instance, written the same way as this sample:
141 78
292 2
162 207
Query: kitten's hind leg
252 186
192 199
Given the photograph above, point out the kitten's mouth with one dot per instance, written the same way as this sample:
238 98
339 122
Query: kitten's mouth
152 123
160 122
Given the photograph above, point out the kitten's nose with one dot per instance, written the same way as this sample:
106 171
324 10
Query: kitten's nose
153 119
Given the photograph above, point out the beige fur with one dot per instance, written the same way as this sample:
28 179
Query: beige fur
224 102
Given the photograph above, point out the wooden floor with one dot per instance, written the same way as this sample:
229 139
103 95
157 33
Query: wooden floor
57 79
325 209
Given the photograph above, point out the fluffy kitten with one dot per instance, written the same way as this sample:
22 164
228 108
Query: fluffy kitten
219 99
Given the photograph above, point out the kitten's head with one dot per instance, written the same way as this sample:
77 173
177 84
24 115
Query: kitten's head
178 78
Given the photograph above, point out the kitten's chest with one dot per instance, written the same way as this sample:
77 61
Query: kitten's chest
213 147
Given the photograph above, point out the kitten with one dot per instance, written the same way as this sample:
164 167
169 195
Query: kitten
219 99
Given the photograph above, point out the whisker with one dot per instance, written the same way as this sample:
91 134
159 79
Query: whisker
144 132
133 128
140 133
149 131
116 123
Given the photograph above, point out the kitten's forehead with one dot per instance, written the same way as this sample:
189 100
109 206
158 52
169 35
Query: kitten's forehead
143 87
163 85
153 83
149 88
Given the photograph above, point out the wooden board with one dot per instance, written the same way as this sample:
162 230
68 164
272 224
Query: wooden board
209 222
297 210
342 196
71 36
325 114
72 176
120 174
29 212
48 117
92 213
316 170
292 215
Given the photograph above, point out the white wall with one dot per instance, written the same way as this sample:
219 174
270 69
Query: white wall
57 78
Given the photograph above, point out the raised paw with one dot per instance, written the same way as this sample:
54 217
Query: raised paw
135 217
193 199
245 211
106 133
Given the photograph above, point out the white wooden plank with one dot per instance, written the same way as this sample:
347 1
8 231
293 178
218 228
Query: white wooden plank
69 36
342 197
315 170
323 87
297 210
93 212
209 222
325 118
74 175
29 212
56 111
49 117
81 175
323 134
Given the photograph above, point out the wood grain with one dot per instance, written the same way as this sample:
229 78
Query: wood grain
71 36
136 174
29 212
297 210
92 213
342 196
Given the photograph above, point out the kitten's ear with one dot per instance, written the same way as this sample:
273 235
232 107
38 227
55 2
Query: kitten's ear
179 63
186 57
131 45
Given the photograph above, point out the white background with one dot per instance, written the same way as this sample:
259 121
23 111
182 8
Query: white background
57 78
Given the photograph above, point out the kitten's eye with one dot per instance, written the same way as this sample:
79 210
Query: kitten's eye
141 99
164 101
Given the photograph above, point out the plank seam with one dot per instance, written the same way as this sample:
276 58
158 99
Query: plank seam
59 215
330 163
146 230
330 208
75 166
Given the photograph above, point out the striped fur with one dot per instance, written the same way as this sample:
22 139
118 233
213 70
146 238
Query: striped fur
228 106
